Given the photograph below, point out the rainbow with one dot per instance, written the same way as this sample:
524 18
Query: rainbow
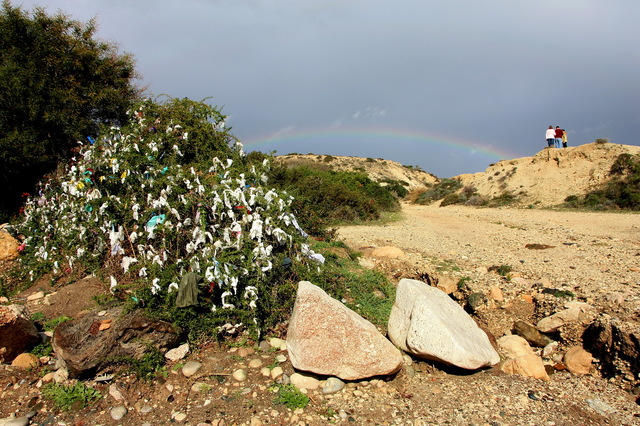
361 140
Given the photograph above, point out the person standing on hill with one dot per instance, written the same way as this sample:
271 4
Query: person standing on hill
564 138
550 136
557 143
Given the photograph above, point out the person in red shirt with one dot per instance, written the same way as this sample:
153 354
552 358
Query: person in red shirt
557 143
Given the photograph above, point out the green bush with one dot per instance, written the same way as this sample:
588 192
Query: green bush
53 323
323 198
145 204
503 199
397 187
146 367
450 199
439 191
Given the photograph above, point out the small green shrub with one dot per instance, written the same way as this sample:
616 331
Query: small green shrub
559 293
328 158
37 317
602 140
450 199
462 282
502 270
53 323
291 396
75 396
398 187
503 199
42 349
439 191
146 367
476 200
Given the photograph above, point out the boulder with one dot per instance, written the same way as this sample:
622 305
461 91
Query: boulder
8 246
617 343
325 337
575 311
427 323
25 361
85 348
578 361
513 346
447 283
526 365
17 332
554 322
531 334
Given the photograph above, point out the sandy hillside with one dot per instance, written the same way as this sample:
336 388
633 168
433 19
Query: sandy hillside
376 169
551 175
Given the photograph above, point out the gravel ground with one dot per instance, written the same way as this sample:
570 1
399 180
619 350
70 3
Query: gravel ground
594 255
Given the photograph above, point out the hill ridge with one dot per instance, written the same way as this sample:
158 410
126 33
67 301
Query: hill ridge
544 179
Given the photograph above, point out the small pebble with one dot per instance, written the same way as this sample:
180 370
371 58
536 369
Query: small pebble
118 412
191 368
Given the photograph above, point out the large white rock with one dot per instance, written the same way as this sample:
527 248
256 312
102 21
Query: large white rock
425 322
325 337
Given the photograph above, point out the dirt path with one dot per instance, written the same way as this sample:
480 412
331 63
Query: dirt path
594 253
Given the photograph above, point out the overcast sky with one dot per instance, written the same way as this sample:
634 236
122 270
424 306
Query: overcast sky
449 86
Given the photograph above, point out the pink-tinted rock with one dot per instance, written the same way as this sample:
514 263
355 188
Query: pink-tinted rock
496 294
325 337
447 284
514 346
17 332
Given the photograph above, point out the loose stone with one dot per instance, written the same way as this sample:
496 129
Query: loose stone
240 375
191 368
118 412
255 363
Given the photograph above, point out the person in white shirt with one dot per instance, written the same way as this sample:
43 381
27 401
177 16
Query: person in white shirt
550 136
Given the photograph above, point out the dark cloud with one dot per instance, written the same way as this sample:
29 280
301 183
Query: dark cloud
490 75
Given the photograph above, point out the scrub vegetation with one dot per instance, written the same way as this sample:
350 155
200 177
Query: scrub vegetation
172 192
140 192
621 192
